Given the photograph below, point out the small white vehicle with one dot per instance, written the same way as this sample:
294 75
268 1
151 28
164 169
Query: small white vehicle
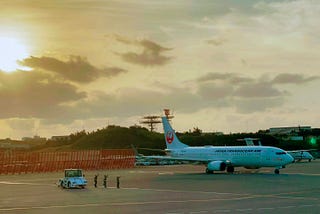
72 178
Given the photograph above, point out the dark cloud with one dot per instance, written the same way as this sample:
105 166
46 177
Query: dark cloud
243 93
76 69
212 91
259 89
151 54
40 95
247 106
132 101
34 94
226 77
286 78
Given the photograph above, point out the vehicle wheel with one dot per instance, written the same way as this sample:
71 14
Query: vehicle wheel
309 160
209 171
69 185
230 169
276 171
61 184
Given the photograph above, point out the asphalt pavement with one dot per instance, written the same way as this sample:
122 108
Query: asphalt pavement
169 189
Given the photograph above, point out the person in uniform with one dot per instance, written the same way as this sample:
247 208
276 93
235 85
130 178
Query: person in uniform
118 182
95 180
105 181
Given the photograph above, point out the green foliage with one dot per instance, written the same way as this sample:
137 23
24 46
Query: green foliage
116 137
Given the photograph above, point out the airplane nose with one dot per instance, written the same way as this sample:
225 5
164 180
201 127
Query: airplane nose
290 158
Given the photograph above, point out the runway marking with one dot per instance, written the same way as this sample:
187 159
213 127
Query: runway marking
307 205
310 174
194 212
156 202
222 211
165 173
266 208
21 183
244 210
118 204
186 191
287 207
278 195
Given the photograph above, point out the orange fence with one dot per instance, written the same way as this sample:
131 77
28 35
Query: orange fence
12 162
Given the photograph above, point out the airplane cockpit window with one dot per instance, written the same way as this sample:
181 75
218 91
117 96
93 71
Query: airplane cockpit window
280 153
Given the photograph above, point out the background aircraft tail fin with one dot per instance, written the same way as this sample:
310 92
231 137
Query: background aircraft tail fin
252 141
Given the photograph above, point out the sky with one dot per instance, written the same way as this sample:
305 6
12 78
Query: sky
219 65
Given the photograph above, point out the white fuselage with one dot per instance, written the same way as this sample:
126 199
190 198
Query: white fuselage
247 156
301 155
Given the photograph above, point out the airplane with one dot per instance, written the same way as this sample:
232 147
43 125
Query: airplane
298 155
143 160
221 158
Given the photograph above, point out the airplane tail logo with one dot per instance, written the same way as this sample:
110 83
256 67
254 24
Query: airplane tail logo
169 137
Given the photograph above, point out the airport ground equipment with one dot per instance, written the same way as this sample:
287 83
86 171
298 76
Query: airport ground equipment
73 178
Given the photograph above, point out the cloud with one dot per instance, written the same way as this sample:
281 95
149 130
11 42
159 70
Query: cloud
212 91
35 95
76 69
287 78
151 54
259 89
23 124
227 77
217 41
257 104
244 93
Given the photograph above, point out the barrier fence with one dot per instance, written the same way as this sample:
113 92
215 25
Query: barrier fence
17 162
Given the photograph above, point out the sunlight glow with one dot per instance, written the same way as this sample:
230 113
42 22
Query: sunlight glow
11 51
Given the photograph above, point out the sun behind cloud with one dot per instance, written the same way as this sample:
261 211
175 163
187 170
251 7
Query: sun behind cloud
12 50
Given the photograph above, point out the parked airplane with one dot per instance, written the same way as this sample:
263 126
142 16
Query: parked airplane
298 155
301 155
220 158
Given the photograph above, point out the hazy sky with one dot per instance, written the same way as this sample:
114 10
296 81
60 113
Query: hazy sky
227 65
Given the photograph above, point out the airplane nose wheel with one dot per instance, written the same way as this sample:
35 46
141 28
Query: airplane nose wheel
276 171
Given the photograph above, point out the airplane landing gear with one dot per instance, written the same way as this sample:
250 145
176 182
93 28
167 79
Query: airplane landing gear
230 169
209 171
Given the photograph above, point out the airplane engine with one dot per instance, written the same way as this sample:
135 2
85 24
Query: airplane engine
252 167
217 166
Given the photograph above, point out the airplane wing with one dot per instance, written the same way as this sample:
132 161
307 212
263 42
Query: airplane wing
302 150
196 160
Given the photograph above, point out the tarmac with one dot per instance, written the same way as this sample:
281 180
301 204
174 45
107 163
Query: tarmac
171 189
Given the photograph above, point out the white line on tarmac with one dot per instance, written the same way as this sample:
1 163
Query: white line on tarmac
310 174
307 205
118 204
222 211
195 212
152 202
287 207
266 208
20 183
244 210
186 191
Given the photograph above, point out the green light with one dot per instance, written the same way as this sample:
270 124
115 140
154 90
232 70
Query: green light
313 141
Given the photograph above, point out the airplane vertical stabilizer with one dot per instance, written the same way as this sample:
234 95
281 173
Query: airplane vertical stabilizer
170 137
